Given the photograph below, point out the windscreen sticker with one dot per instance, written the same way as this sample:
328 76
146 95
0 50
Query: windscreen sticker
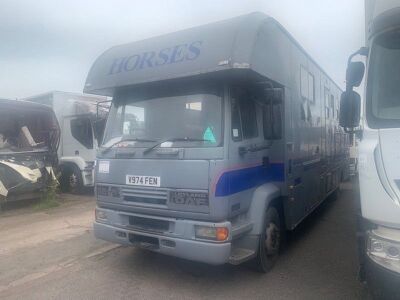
209 135
104 166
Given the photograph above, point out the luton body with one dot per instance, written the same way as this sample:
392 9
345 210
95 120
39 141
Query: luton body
219 139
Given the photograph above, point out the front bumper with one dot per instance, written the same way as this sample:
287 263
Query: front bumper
88 176
384 283
178 240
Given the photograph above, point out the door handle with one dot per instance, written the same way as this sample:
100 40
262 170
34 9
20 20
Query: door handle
265 162
254 148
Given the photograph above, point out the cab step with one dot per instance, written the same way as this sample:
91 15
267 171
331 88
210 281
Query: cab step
240 255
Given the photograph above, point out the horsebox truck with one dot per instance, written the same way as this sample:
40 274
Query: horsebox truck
82 120
379 159
219 139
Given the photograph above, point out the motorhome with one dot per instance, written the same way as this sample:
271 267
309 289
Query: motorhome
219 139
379 160
82 123
29 137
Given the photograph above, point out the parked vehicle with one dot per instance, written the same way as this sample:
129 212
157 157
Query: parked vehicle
379 160
219 139
29 137
353 163
81 130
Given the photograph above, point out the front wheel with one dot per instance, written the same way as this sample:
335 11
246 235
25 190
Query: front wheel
71 180
270 241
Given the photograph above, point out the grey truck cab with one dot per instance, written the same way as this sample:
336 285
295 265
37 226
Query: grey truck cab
210 149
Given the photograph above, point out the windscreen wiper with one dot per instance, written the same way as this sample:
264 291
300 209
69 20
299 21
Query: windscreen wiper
184 139
125 140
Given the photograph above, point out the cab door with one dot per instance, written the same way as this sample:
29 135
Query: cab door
248 150
78 138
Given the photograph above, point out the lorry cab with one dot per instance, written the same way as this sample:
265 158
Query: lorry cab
196 151
82 119
379 161
215 141
200 140
29 137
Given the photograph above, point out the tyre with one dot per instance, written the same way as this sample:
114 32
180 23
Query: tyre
71 180
270 241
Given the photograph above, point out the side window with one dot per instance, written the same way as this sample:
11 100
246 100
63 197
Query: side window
327 108
302 112
244 120
236 125
249 119
272 120
81 130
311 91
307 85
332 106
304 82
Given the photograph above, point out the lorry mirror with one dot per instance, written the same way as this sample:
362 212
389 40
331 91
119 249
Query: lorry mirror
350 108
355 73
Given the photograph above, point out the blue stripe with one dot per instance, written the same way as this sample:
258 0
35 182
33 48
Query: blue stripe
236 181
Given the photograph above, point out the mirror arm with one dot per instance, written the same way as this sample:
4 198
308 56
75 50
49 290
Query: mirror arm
363 51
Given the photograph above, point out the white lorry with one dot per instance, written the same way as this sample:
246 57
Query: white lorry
379 159
82 123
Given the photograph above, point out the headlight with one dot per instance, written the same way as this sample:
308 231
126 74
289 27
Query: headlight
382 250
212 233
108 191
101 216
89 165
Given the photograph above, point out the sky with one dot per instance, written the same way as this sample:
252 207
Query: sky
50 45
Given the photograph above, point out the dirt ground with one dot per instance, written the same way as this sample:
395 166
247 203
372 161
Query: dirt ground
53 255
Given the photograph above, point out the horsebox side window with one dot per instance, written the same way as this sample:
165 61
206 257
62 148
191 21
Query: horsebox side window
81 130
332 106
311 89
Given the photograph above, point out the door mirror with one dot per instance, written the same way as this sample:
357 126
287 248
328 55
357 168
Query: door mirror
350 108
355 73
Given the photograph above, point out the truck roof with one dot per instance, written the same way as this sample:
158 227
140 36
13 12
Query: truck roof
222 46
381 15
96 98
6 104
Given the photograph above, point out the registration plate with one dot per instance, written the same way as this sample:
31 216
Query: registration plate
143 180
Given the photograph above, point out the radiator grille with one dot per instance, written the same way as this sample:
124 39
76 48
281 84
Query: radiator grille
146 196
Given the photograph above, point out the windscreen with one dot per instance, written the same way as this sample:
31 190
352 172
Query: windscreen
384 81
144 120
28 130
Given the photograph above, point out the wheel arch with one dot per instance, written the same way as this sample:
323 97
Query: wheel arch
263 197
76 161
